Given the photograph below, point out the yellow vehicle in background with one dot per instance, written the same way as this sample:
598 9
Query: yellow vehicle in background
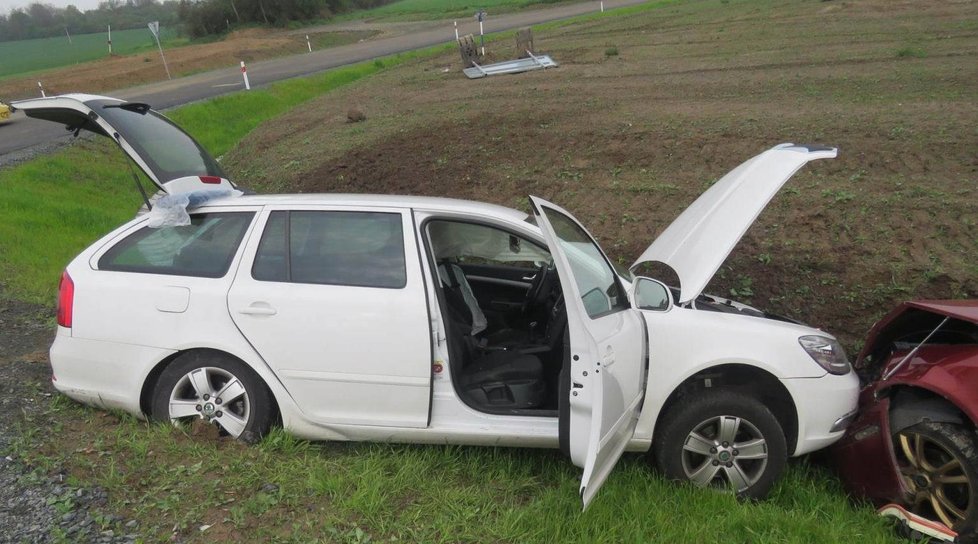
4 113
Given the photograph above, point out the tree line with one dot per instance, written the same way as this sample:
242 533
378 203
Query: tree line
208 17
197 17
39 20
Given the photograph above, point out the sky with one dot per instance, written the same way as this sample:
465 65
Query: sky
7 5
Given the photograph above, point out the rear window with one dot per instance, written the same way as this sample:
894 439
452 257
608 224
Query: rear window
204 248
168 151
364 249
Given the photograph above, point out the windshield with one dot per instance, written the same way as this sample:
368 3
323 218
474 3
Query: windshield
169 152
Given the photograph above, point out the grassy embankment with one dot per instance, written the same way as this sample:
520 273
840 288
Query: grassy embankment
417 10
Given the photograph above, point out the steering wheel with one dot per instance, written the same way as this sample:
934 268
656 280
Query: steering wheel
536 293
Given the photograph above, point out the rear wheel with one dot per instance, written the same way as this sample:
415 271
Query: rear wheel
723 440
215 389
939 464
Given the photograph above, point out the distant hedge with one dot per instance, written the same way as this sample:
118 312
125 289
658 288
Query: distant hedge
207 17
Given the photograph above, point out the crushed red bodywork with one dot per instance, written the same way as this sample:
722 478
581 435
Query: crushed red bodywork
938 381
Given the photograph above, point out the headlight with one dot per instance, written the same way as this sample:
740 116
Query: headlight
828 353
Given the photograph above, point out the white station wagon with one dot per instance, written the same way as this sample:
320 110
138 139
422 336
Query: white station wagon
429 320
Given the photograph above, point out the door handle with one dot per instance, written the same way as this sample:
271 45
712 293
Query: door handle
529 278
258 308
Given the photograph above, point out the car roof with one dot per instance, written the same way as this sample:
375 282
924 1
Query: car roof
390 201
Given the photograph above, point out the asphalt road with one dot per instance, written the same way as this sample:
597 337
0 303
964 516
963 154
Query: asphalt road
22 132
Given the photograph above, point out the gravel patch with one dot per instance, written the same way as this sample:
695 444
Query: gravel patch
40 507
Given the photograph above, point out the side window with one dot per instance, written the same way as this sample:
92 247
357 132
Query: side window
364 249
601 293
204 248
469 243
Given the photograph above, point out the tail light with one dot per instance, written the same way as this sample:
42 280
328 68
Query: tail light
66 299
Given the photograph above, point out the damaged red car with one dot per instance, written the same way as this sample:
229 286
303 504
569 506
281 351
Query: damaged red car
914 439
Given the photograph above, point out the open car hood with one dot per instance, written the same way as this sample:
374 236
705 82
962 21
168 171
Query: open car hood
170 157
914 319
701 238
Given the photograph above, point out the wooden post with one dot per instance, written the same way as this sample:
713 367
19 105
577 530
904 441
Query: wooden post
469 51
524 42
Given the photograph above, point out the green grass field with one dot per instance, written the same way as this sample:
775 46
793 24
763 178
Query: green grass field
27 56
292 491
440 9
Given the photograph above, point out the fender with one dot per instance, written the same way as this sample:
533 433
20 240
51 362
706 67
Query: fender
911 405
865 459
950 372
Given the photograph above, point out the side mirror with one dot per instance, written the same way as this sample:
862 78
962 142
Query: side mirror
652 295
596 302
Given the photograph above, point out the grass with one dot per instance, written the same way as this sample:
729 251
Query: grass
412 10
27 56
289 490
53 206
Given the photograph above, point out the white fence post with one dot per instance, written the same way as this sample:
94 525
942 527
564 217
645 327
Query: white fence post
244 74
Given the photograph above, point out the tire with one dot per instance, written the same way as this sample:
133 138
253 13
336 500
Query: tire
190 389
939 464
746 458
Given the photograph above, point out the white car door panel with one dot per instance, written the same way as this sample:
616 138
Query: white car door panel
608 350
354 352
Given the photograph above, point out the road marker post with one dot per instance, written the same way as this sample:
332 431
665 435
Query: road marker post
244 74
39 86
110 40
602 6
481 16
456 31
308 43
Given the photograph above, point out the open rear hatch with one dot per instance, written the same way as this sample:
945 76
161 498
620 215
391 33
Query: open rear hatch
169 157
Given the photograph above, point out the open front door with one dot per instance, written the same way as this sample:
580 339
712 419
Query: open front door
604 379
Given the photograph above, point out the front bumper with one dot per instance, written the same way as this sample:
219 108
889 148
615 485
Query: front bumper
843 422
826 405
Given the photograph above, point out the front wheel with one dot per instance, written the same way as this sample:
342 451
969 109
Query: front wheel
216 389
724 440
939 464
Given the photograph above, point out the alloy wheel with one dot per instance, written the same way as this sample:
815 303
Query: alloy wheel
725 451
936 477
214 395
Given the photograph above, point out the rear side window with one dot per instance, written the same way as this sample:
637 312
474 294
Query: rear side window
204 248
364 249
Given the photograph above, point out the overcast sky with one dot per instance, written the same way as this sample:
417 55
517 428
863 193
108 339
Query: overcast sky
7 5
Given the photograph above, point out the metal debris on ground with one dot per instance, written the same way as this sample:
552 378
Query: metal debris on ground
534 62
524 44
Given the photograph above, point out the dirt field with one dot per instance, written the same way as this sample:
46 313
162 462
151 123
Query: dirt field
120 72
645 112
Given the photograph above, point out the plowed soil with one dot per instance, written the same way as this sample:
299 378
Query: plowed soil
646 111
